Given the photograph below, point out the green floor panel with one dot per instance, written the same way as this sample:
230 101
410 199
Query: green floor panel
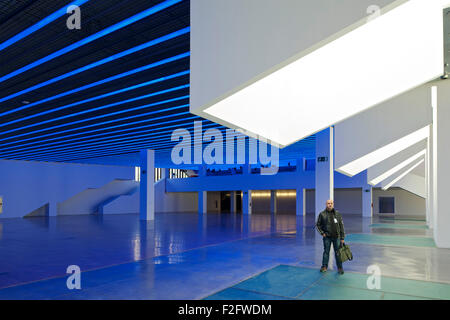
283 280
323 292
424 289
236 294
390 240
397 226
394 296
402 219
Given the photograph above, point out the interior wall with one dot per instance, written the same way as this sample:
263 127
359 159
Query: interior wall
348 201
261 201
28 185
213 201
406 203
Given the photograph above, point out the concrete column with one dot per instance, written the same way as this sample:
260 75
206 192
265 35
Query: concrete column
246 168
367 210
324 168
441 168
147 185
233 201
300 165
325 174
273 201
52 209
300 206
202 202
247 202
164 173
429 179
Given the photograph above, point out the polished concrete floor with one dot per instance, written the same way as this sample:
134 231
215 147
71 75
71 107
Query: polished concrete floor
186 256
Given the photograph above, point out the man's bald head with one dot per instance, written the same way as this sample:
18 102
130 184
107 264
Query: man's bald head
330 204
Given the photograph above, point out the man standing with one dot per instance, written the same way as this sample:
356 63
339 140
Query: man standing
330 226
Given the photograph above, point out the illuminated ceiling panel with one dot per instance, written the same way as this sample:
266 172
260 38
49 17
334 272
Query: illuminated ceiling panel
362 68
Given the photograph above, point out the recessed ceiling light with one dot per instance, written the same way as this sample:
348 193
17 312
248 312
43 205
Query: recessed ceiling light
25 102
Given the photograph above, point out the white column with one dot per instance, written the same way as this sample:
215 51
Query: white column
300 202
52 209
273 201
324 169
367 210
441 167
325 174
232 201
429 179
202 202
247 202
147 185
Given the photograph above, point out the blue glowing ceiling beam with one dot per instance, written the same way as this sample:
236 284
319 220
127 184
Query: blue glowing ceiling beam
55 15
97 83
144 14
103 116
37 146
153 94
83 153
135 146
107 131
137 138
95 64
157 133
131 130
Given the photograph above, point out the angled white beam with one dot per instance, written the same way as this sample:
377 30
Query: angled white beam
374 172
412 183
383 153
398 167
407 170
349 72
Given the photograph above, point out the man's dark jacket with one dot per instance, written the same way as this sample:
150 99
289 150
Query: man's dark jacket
325 220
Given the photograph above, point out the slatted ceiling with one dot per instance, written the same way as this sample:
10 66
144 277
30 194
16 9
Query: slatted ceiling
105 102
20 14
38 133
78 81
96 16
106 46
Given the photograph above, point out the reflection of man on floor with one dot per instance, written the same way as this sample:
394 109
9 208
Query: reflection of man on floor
330 226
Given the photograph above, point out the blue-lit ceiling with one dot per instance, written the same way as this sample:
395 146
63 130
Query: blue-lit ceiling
101 93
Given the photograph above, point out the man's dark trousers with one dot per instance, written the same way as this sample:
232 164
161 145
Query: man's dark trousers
326 251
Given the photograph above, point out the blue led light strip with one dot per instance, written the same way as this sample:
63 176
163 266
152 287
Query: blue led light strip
98 124
95 36
126 147
113 146
55 15
97 83
84 111
98 63
157 134
107 115
91 144
34 144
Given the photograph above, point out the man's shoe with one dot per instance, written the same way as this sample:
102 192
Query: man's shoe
341 271
323 269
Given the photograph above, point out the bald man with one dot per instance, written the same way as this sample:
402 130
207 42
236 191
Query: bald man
331 227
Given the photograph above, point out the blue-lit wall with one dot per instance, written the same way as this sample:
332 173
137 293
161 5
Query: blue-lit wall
28 185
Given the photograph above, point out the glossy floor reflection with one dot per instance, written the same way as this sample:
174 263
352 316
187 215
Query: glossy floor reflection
186 256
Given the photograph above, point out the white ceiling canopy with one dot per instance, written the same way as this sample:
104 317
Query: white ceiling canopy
362 68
